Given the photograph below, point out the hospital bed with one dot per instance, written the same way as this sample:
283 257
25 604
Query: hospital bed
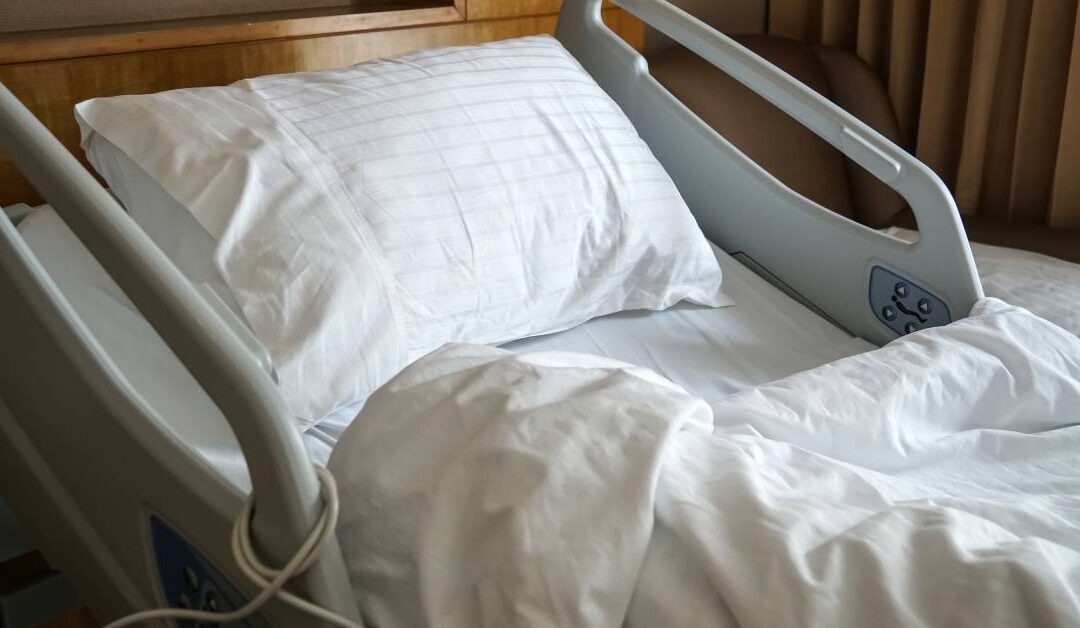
131 488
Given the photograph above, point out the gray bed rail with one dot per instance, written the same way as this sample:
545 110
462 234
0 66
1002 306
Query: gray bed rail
827 260
37 322
85 460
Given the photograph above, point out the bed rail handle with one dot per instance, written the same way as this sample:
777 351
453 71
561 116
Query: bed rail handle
283 479
743 208
812 110
873 158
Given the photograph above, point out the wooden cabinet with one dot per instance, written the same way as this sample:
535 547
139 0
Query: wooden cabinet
488 9
500 9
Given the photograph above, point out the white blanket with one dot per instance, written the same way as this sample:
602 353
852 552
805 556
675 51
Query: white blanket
935 481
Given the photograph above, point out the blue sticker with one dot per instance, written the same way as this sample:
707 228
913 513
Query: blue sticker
188 580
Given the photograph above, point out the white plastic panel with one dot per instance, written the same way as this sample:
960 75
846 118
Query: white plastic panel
819 255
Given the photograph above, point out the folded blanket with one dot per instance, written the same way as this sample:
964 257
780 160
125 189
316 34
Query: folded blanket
935 481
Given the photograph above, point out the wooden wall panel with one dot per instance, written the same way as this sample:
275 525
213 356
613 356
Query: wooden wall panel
492 9
68 44
488 9
35 15
51 88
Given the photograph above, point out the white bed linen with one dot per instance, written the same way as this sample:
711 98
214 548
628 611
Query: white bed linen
932 482
373 213
712 352
172 228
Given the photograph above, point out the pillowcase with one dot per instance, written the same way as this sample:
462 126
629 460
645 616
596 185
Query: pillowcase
167 222
365 216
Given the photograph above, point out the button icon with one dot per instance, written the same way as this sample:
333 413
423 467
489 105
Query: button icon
925 307
911 328
888 313
191 578
901 289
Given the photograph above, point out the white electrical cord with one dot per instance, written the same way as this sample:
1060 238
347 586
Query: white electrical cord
270 580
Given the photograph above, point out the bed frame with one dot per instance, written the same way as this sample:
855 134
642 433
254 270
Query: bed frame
88 466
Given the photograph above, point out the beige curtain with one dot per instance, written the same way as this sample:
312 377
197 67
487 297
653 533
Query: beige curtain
987 91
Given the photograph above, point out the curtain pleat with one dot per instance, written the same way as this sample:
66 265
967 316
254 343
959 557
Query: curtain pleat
987 92
796 19
1042 99
1065 204
945 85
872 34
1001 140
907 62
839 23
985 64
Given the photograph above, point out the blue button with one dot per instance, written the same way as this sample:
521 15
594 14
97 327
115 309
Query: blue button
191 578
888 313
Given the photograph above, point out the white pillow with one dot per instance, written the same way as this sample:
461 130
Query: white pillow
367 215
167 222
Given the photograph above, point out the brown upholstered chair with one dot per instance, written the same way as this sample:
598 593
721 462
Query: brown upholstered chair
803 161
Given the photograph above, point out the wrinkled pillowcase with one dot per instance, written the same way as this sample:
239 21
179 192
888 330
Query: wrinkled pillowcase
367 215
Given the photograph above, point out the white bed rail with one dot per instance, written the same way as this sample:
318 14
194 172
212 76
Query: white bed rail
821 256
284 482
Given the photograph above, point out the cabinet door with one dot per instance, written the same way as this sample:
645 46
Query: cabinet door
627 26
487 9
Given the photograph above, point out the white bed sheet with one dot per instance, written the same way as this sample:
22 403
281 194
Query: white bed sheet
711 352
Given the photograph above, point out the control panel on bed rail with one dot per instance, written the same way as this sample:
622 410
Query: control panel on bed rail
189 580
903 305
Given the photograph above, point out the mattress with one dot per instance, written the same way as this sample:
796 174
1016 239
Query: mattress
765 336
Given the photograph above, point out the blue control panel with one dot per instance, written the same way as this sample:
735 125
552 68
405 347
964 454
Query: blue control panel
903 305
188 580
